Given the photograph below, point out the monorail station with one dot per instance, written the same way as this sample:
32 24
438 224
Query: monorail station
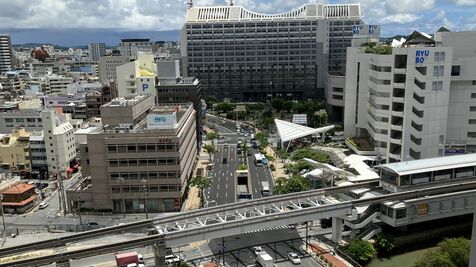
413 174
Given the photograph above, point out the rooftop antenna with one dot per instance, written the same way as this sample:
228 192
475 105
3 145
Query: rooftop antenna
189 3
231 3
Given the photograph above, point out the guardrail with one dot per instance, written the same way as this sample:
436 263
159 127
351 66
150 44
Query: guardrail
61 241
235 227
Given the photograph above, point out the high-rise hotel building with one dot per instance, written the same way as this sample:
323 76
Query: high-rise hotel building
244 55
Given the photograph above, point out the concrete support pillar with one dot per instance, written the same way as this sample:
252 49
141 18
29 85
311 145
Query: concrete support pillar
159 253
353 233
62 263
472 256
337 228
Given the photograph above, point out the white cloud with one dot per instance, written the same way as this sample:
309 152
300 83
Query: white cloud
463 2
408 6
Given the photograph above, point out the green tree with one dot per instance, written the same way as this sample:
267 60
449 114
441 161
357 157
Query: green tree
435 259
224 107
201 182
310 154
209 148
212 135
360 250
243 167
291 185
288 105
384 244
277 103
210 100
282 154
458 250
299 107
262 138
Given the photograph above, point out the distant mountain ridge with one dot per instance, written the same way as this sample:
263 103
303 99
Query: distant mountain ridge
80 38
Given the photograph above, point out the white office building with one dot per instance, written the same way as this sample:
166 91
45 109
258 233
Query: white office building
243 55
96 51
137 77
59 141
6 53
414 101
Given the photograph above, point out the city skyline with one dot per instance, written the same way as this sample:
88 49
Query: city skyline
108 21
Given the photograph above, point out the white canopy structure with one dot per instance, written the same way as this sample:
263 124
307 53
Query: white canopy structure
289 131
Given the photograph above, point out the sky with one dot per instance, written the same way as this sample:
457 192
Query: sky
77 22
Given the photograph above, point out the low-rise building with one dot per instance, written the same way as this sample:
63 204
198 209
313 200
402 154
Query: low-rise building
15 152
137 77
18 198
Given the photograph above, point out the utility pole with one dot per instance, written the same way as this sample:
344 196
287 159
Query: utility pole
123 199
3 216
79 207
307 236
223 250
146 198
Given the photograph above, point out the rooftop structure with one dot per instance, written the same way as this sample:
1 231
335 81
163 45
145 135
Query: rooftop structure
289 131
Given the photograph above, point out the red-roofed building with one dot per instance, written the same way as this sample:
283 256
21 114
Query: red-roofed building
18 198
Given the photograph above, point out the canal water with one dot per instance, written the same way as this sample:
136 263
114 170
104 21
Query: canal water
407 259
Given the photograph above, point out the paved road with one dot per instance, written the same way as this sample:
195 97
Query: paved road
258 175
223 175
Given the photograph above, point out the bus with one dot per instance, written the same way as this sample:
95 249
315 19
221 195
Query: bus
258 159
243 186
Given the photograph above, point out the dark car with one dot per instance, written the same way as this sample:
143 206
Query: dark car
92 223
225 160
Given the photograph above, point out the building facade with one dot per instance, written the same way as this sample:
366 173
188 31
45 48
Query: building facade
107 67
57 85
137 77
180 91
148 163
6 53
243 55
15 152
96 51
130 47
38 157
59 141
414 101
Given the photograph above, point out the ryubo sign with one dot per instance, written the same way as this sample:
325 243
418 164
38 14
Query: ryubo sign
420 55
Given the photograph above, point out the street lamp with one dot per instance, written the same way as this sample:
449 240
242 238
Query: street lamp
146 193
3 217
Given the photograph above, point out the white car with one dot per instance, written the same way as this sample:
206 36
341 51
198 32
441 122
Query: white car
170 259
294 258
257 250
43 205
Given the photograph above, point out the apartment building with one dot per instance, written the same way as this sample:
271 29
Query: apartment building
18 118
244 55
96 51
6 53
137 77
59 141
140 166
57 85
415 101
38 157
15 152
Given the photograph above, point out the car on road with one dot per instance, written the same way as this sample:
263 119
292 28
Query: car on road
225 160
171 259
257 250
225 145
92 223
43 205
294 258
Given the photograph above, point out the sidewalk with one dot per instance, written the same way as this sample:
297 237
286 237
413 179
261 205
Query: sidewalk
320 249
278 164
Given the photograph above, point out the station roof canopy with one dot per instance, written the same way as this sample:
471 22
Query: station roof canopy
289 131
431 164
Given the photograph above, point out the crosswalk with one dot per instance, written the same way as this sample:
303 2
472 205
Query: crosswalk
281 227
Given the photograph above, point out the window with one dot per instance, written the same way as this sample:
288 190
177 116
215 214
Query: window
472 121
440 56
437 86
338 97
438 71
472 134
473 95
112 148
8 120
472 108
401 213
455 70
474 82
338 89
